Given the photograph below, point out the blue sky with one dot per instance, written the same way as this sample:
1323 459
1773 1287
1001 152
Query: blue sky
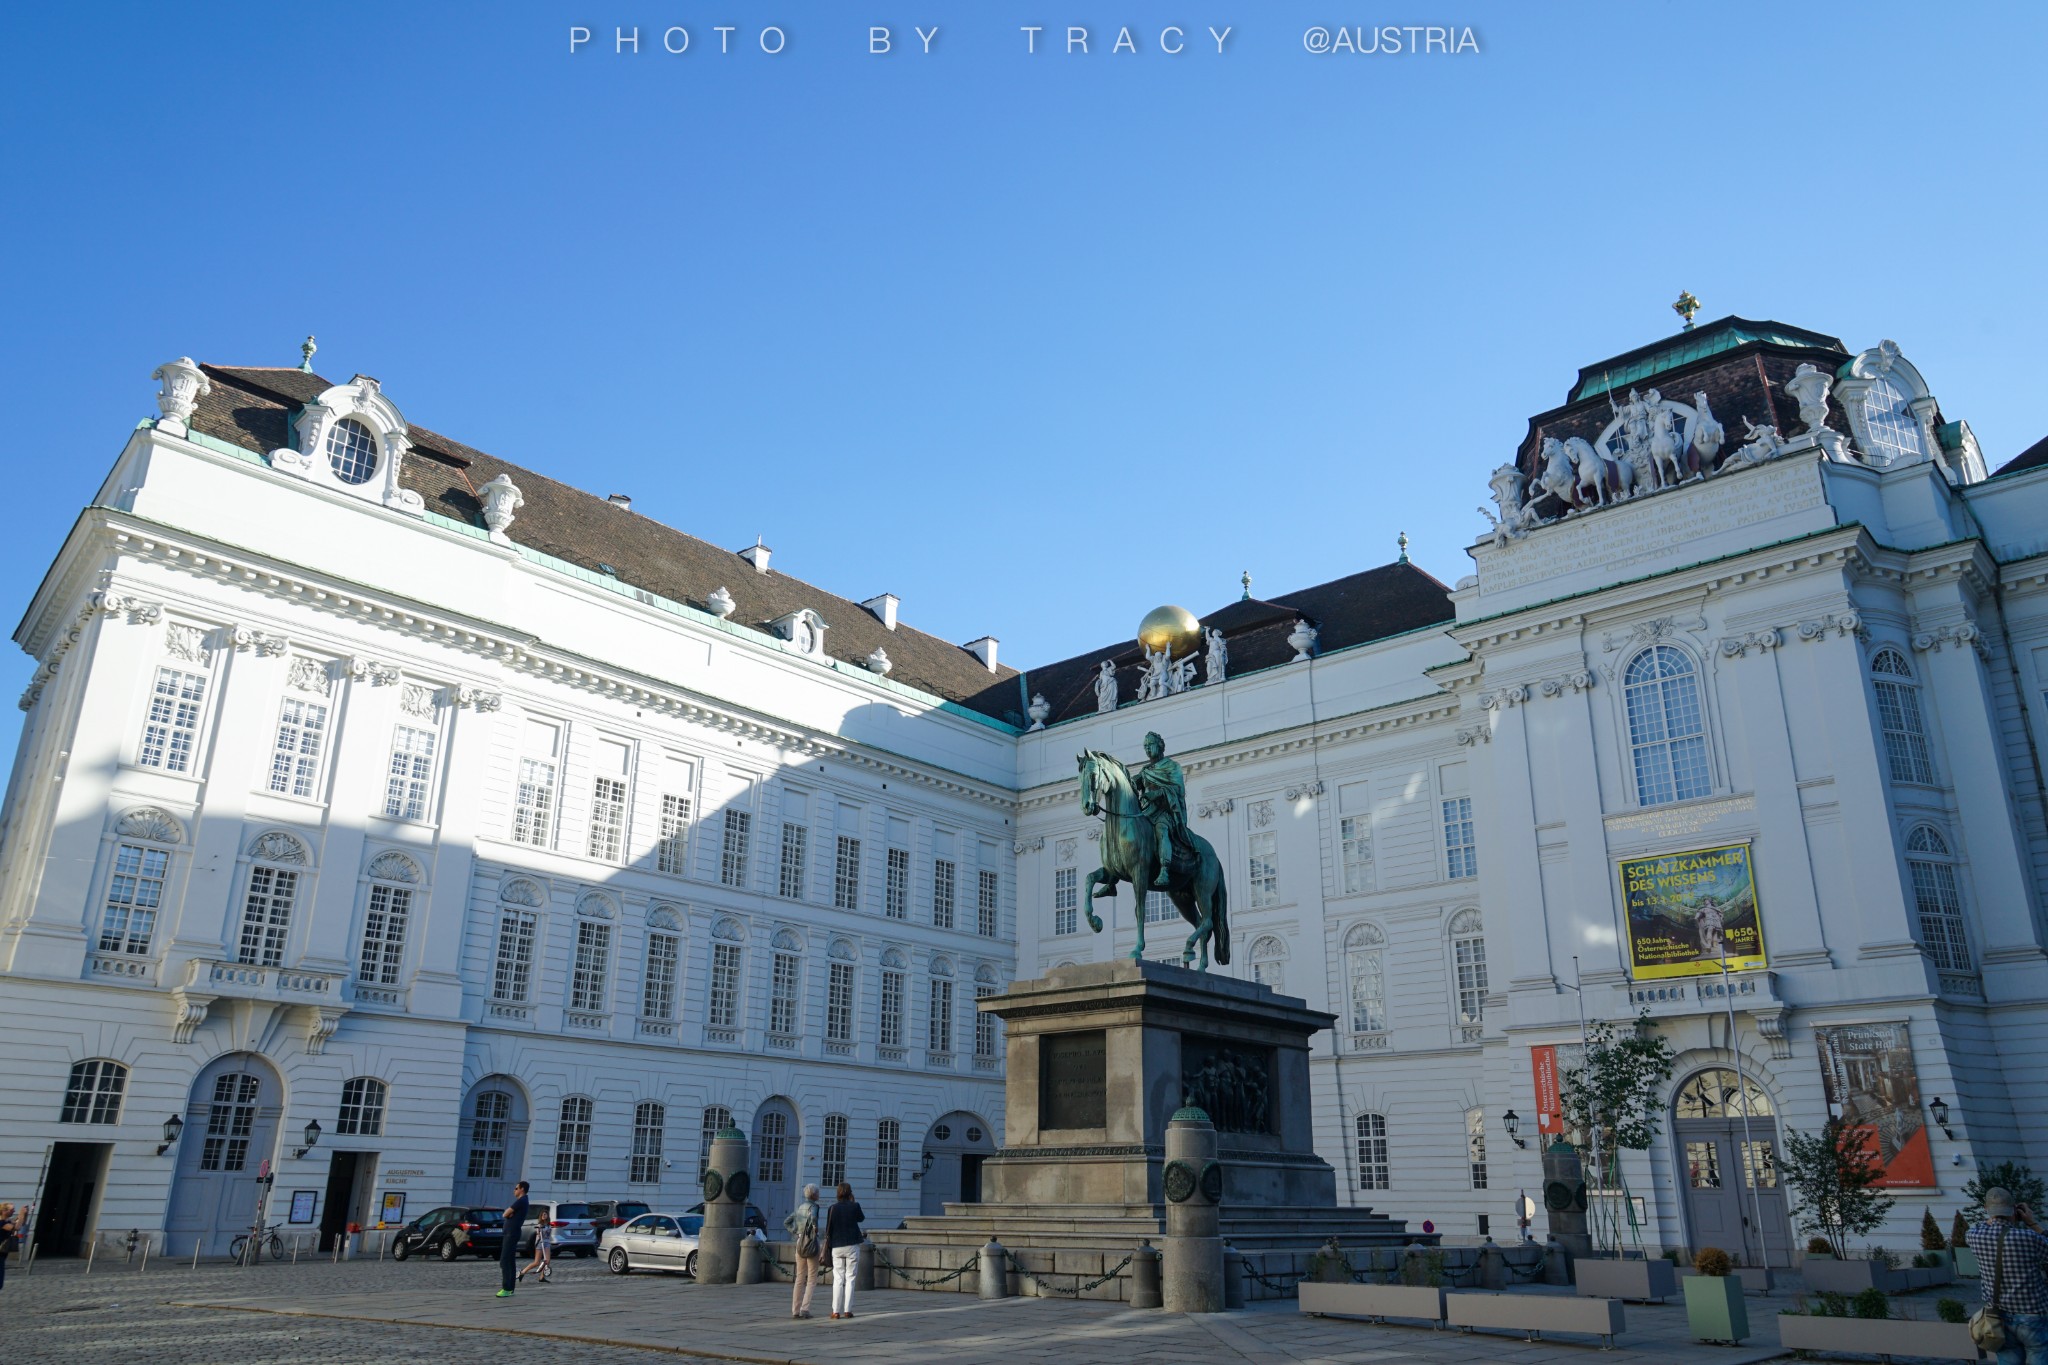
1035 342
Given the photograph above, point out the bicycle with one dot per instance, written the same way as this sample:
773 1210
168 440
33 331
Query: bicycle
267 1239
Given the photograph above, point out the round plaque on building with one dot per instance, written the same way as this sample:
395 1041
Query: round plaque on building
736 1186
714 1185
1179 1181
1557 1195
1212 1182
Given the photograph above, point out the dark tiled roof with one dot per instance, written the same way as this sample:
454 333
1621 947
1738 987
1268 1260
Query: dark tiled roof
1390 600
250 408
2033 457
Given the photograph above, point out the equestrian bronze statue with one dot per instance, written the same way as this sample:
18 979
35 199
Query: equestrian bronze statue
1146 842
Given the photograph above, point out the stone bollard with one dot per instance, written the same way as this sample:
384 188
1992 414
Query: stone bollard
864 1267
1145 1276
1493 1266
995 1271
726 1187
1191 1257
1556 1263
752 1268
1233 1279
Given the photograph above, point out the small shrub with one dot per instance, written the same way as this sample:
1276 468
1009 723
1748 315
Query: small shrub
1872 1303
1951 1310
1819 1246
1712 1261
1930 1232
1888 1259
1958 1232
1425 1270
1831 1304
1924 1261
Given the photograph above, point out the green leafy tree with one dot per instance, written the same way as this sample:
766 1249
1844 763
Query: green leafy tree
2014 1176
1836 1178
1617 1090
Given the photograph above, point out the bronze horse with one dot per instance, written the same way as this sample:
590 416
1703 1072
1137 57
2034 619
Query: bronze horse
1130 853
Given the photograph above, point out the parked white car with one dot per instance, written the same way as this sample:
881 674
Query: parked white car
653 1241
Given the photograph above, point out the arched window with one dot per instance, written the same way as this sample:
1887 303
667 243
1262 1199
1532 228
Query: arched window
489 1125
1937 899
351 451
1365 970
1666 732
722 1005
890 1001
590 968
1269 962
1715 1094
572 1140
785 985
362 1108
649 1121
888 1154
717 1118
1373 1173
393 876
1898 715
1468 965
93 1093
833 1169
1475 1146
662 960
939 1021
1893 429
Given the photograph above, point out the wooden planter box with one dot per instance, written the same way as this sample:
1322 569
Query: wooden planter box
1714 1310
1877 1336
1825 1273
1535 1314
1603 1278
1375 1301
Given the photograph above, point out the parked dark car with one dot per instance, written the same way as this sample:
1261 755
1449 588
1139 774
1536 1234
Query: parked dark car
614 1213
755 1218
451 1232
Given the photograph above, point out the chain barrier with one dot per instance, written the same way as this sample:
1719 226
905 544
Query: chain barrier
928 1281
1533 1271
1287 1285
1078 1289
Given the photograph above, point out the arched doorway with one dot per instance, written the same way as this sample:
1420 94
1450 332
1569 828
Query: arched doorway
954 1149
1727 1139
491 1151
231 1118
778 1142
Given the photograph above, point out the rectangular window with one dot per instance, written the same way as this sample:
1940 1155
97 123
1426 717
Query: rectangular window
1158 907
784 983
1461 855
939 1029
411 773
1372 1152
1940 905
795 843
513 972
267 916
1066 900
891 1022
671 855
487 1133
888 1154
846 875
1470 953
295 754
985 904
1264 852
572 1141
230 1120
172 728
839 1005
832 1169
984 1024
942 893
384 934
607 817
1905 738
897 904
1475 1146
649 1119
1354 831
732 854
658 985
724 1009
533 809
592 965
134 895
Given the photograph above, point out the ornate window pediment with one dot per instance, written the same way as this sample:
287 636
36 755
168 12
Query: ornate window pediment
593 906
151 825
278 847
520 891
351 439
394 867
803 631
843 951
664 917
1891 413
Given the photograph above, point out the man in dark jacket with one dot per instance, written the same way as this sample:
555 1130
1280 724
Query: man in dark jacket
508 1250
842 1242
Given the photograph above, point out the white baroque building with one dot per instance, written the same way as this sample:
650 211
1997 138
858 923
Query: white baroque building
368 779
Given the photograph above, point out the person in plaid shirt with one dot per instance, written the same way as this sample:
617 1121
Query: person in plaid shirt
2013 1258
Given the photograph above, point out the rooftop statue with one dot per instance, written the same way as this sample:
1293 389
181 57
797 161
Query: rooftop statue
1146 842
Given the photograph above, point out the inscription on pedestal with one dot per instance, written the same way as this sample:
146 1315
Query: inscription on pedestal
1072 1080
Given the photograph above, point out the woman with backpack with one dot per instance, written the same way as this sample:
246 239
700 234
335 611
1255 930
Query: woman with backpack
802 1227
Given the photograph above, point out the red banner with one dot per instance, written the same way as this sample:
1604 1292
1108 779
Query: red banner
1549 1112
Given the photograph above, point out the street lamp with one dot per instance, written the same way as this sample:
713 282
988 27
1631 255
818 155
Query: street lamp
173 1126
312 1136
1513 1123
1939 1108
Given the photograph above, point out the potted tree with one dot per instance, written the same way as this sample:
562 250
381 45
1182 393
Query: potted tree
1836 1179
1611 1102
1713 1299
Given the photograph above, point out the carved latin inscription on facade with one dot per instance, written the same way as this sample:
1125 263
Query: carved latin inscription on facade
1072 1080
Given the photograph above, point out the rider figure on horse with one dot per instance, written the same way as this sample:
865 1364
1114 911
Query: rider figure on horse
1163 793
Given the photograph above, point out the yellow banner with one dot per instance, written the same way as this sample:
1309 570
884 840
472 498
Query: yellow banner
1685 910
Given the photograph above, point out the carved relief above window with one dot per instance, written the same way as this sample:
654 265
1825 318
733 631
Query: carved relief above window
278 847
151 825
394 867
352 439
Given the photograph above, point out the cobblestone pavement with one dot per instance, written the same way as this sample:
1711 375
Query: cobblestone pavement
391 1314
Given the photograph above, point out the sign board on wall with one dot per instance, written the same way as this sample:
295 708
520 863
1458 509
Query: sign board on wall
393 1210
303 1204
1549 1109
1872 1085
1686 909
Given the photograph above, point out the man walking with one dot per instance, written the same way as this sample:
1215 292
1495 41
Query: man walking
2015 1286
508 1250
802 1227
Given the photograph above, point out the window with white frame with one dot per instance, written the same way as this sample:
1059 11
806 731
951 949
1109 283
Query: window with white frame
734 849
671 855
93 1092
723 1004
135 895
590 969
384 923
295 751
943 872
1262 851
1468 963
409 777
489 1132
362 1108
795 841
351 451
984 1024
607 817
832 1168
1371 1131
896 902
986 903
1159 907
1066 900
230 1122
1667 731
1365 972
785 985
1461 850
533 803
1938 900
267 915
939 1020
512 969
846 874
1269 962
888 1154
889 1018
572 1140
1475 1146
649 1121
1893 429
1355 838
717 1118
771 1147
170 732
1898 715
839 1004
664 956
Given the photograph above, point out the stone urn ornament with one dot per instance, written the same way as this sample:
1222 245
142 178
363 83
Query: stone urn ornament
184 384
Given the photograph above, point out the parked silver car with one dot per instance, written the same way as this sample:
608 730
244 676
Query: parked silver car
574 1233
653 1241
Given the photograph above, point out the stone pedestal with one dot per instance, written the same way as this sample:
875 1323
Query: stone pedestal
727 1184
1564 1199
1191 1257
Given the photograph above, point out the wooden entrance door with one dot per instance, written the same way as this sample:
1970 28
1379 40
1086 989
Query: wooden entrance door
1728 1169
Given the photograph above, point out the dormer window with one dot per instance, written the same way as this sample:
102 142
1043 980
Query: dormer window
1894 430
352 451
